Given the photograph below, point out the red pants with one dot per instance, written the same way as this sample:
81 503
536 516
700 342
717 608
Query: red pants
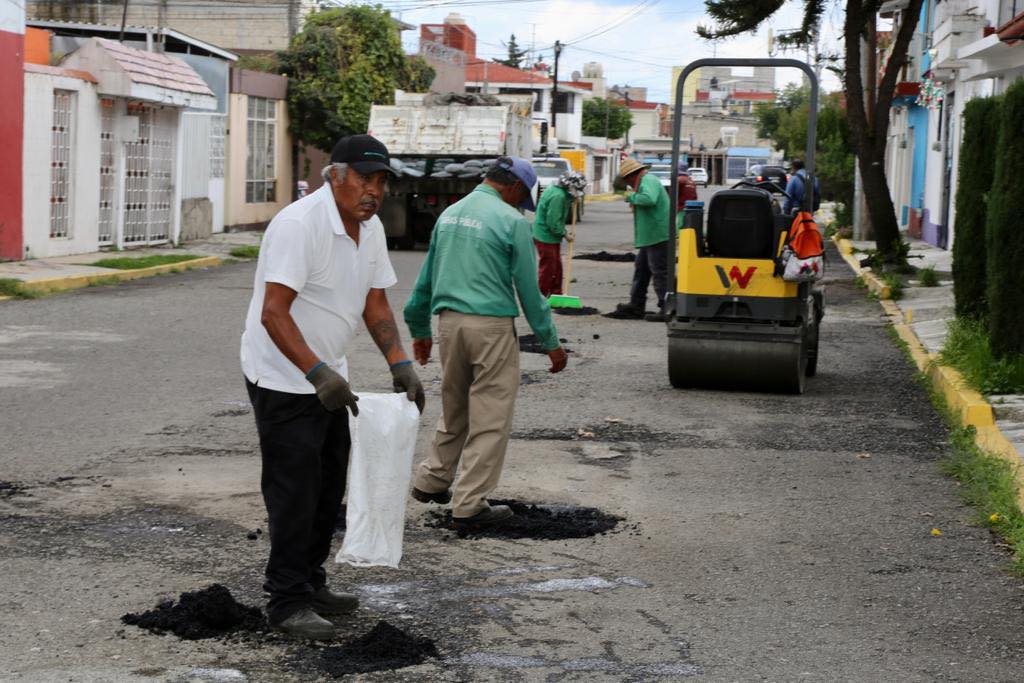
550 268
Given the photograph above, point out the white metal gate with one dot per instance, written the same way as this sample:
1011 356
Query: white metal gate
108 172
60 162
149 176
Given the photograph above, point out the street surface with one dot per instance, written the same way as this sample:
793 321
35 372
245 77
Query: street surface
765 537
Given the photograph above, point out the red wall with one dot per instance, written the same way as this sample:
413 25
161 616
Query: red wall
12 113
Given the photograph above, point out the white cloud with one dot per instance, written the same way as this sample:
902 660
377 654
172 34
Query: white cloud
639 51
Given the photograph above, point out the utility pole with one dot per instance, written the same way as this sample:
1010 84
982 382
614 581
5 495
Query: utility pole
554 101
627 110
124 20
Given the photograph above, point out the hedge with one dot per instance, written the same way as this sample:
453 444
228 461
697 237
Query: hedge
1005 261
975 175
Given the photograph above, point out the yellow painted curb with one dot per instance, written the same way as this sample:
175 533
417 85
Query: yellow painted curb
606 197
6 298
968 404
874 283
61 284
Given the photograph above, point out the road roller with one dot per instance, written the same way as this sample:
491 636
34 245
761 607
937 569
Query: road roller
733 321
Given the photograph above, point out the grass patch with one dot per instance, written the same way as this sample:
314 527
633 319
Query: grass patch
137 262
105 281
15 289
967 349
895 284
248 251
987 483
928 277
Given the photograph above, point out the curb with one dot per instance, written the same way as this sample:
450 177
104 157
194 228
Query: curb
63 284
968 406
875 285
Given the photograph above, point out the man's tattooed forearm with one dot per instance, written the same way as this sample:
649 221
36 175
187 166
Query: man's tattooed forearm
385 335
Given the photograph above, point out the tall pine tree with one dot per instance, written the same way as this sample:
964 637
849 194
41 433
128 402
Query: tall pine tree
515 55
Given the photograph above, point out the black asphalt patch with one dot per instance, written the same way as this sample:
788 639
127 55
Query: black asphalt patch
537 521
384 648
607 256
208 613
9 488
584 310
528 344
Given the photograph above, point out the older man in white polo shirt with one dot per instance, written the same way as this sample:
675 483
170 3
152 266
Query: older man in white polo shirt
323 266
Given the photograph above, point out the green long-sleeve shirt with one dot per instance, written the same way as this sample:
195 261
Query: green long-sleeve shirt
650 215
549 221
481 255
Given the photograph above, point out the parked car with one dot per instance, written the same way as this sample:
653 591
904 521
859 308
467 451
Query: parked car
698 175
760 173
550 169
663 172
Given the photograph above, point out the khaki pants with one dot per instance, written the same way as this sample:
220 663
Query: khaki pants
480 379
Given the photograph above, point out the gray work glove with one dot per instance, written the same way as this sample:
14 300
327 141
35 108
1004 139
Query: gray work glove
332 389
406 379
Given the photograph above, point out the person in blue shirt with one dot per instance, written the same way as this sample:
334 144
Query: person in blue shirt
795 190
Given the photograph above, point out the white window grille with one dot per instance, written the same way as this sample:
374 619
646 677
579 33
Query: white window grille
60 163
260 171
108 172
217 127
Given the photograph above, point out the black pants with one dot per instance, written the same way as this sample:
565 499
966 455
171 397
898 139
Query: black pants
305 460
650 262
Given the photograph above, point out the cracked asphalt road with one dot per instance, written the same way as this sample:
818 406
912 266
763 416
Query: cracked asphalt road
765 537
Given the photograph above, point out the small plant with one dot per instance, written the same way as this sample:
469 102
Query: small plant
137 262
895 284
15 289
967 349
248 251
928 277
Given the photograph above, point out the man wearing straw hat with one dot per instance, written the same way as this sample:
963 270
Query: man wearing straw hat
650 204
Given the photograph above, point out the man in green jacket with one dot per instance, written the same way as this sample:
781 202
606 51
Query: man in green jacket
480 257
650 204
548 232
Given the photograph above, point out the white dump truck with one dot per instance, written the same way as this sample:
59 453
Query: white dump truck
441 145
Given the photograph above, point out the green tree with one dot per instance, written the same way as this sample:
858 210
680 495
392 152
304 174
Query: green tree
515 55
868 117
605 118
344 60
974 181
1005 238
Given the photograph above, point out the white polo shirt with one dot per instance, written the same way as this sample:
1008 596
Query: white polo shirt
307 249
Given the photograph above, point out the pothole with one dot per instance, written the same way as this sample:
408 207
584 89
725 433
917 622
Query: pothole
537 521
607 256
616 430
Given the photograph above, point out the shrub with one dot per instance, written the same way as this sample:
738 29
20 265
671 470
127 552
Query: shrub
928 277
1005 239
977 169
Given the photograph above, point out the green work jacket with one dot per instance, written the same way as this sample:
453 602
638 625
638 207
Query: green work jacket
549 221
650 214
481 256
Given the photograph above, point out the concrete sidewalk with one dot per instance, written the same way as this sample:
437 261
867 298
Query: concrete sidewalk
928 312
71 272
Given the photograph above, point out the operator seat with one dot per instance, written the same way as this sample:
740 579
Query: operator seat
741 224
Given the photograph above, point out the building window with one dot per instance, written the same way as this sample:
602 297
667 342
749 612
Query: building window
260 172
108 172
60 162
217 125
564 103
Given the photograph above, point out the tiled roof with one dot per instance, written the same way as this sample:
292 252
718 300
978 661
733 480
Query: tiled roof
641 104
153 68
60 71
577 84
499 73
752 95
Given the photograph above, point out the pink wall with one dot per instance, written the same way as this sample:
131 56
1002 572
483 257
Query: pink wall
12 113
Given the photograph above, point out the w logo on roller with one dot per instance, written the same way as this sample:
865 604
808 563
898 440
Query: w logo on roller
742 279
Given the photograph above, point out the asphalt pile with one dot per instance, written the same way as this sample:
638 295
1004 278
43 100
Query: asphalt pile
528 344
584 310
627 257
208 613
384 648
539 522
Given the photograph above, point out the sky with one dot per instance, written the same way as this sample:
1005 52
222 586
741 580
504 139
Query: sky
637 41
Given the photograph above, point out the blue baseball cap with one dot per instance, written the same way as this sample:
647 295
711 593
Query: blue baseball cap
523 171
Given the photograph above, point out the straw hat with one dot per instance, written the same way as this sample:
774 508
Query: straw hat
630 166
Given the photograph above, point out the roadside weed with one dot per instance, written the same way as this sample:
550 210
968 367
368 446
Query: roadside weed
136 262
248 251
967 349
895 283
928 277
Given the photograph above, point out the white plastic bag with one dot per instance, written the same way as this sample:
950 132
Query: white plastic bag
380 467
798 269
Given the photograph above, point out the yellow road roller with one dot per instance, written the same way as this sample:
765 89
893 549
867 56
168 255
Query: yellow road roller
734 322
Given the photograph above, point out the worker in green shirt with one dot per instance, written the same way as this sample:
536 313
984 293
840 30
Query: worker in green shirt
548 233
650 204
481 256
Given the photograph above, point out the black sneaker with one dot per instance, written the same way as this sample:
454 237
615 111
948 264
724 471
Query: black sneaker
656 318
326 601
441 497
307 624
626 312
489 516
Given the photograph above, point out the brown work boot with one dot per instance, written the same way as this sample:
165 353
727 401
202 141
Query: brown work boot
441 497
489 516
307 624
326 601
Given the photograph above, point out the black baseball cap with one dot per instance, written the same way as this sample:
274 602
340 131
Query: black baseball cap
364 153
